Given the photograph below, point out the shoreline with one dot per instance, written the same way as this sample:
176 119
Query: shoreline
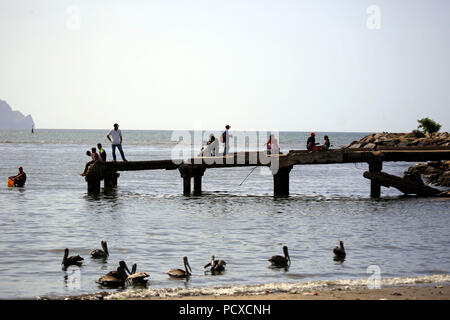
436 287
415 292
394 293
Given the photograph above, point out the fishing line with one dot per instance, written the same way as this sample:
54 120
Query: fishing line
247 176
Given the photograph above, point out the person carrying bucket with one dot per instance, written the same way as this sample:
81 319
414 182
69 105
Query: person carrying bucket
18 180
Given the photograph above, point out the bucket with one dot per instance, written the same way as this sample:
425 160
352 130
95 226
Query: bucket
10 183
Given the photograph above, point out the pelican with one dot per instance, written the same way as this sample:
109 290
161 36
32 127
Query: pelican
137 277
72 260
279 261
217 266
339 252
99 253
115 278
178 273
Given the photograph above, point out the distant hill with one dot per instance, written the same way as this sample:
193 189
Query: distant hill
14 120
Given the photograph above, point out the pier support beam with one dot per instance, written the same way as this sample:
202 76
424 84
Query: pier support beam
198 184
281 181
186 185
188 172
375 166
110 179
93 185
93 177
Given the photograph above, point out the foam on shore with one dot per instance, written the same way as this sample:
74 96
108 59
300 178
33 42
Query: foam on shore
262 289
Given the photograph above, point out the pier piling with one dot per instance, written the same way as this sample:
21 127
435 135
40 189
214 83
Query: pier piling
375 166
110 179
281 181
188 172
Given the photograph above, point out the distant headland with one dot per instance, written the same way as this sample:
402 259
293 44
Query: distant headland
13 120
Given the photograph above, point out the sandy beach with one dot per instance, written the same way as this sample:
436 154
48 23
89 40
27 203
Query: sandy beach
400 293
423 292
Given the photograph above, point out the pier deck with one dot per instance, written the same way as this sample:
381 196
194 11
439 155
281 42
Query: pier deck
280 165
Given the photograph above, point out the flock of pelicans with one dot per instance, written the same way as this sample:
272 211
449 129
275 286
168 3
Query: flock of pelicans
123 275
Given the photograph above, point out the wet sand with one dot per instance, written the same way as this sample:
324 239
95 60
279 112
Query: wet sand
398 293
433 292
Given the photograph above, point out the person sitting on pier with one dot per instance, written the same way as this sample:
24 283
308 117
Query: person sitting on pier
311 143
19 179
94 161
213 145
211 148
326 144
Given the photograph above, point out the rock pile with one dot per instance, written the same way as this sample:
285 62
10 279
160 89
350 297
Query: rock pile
394 140
436 172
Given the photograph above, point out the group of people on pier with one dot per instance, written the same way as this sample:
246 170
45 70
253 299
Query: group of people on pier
210 149
312 145
115 136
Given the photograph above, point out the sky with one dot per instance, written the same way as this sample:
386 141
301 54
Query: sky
286 65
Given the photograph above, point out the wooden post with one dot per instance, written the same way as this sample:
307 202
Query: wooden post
281 181
197 173
189 171
403 184
93 177
197 185
186 174
186 185
375 166
110 179
93 185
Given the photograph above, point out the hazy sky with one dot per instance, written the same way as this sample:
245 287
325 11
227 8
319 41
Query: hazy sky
273 65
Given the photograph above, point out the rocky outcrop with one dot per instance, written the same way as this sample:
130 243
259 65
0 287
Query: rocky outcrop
436 172
394 140
13 120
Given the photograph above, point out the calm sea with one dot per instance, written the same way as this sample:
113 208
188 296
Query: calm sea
147 219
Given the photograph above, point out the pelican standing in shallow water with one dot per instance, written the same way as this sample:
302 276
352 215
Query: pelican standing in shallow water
179 273
217 266
339 252
99 253
115 278
280 261
72 260
137 277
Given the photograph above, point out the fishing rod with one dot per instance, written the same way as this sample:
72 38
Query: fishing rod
248 175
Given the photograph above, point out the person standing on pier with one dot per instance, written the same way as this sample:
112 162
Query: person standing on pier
115 136
225 138
102 152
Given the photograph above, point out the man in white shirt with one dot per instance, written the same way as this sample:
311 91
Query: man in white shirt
115 136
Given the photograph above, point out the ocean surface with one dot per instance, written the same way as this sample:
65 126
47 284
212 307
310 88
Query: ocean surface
147 220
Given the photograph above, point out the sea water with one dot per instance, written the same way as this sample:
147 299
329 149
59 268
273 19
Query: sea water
147 220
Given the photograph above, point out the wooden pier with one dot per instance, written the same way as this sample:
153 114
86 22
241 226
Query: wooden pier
280 165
